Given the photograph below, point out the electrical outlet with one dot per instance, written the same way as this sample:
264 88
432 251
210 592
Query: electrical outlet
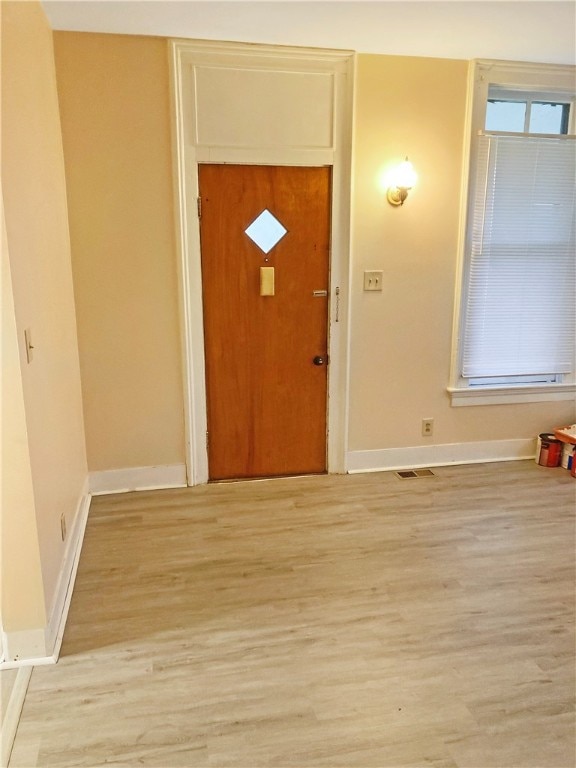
373 280
63 526
427 427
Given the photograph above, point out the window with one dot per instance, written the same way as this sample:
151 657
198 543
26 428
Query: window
518 112
517 314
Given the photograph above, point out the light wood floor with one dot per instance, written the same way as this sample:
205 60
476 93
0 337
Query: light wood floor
324 621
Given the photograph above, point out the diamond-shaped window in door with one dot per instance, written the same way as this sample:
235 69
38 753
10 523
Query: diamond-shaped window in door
266 231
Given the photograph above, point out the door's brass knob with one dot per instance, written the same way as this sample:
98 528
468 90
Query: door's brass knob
319 360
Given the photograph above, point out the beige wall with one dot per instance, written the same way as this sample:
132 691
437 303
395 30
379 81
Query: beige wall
401 338
115 116
41 286
22 595
114 101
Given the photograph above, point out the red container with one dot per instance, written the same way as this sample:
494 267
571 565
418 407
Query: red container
550 450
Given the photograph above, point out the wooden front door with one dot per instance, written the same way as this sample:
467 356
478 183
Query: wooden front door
266 355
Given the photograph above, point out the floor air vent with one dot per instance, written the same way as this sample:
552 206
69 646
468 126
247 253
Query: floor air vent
406 474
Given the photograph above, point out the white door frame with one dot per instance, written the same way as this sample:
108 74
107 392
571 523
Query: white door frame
190 149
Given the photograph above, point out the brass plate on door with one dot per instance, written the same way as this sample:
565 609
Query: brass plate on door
266 281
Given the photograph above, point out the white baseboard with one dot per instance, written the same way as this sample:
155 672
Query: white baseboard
25 648
63 596
12 711
388 459
38 646
41 645
137 479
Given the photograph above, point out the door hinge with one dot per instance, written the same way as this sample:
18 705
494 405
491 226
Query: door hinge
199 205
207 440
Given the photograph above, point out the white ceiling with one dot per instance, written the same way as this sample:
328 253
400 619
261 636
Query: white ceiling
516 30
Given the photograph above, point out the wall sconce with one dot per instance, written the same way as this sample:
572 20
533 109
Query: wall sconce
402 179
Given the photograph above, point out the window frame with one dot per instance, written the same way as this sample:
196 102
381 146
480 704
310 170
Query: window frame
536 81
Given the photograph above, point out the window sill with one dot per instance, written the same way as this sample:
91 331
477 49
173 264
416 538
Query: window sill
463 396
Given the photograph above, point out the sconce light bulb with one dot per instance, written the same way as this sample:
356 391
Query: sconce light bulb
403 179
406 175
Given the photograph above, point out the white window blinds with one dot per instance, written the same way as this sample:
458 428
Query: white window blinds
521 291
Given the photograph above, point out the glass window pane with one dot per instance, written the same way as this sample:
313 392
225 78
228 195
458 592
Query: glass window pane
548 118
266 231
505 116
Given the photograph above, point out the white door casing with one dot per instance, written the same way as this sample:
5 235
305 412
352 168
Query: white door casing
252 104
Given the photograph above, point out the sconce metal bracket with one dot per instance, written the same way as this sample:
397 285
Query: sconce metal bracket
396 195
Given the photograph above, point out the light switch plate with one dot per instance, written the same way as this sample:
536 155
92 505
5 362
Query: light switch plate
373 280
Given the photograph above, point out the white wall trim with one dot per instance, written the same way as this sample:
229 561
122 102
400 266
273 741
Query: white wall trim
137 479
26 648
387 459
61 603
12 713
462 396
39 646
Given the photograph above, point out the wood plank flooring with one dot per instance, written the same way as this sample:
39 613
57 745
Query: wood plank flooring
360 621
